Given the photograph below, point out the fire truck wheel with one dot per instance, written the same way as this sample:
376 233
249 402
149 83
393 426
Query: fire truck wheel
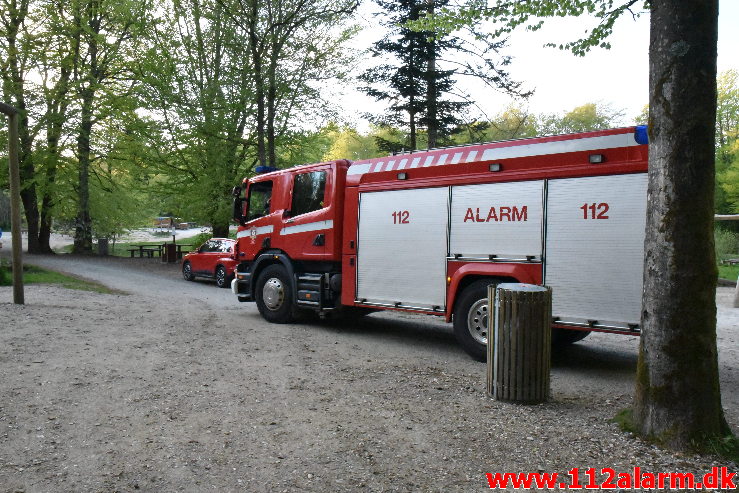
564 337
187 272
274 295
471 319
222 280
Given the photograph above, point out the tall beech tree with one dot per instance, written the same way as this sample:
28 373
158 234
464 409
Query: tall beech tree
291 43
55 55
106 37
197 79
678 399
229 81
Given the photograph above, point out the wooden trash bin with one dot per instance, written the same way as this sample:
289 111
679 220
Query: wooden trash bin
519 346
169 252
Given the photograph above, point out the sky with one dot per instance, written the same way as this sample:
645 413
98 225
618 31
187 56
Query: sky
562 81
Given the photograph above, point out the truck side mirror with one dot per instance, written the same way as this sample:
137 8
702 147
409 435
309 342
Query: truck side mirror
238 203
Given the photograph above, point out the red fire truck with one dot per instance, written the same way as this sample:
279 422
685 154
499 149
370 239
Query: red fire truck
428 231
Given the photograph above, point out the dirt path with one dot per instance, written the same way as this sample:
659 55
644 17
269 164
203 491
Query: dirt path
177 387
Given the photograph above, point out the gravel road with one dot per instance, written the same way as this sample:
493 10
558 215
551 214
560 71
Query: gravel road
175 386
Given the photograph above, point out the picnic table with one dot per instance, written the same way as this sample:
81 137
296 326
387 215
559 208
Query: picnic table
730 261
149 250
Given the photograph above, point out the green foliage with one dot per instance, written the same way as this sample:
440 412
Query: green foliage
199 239
725 447
4 209
6 274
581 119
507 16
516 122
730 272
727 108
727 178
727 244
347 143
625 420
231 87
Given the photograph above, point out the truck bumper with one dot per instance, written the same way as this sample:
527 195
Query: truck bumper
241 287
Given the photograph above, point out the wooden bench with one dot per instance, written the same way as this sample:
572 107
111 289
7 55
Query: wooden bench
730 261
149 251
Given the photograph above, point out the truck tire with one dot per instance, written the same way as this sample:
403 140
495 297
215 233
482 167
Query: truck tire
564 337
471 318
274 295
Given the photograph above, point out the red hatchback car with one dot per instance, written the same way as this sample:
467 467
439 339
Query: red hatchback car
214 259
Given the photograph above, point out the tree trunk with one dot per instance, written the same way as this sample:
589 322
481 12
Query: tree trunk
83 228
271 107
256 54
220 230
44 233
678 401
56 110
431 99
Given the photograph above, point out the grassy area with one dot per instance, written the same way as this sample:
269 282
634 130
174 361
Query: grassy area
37 275
728 272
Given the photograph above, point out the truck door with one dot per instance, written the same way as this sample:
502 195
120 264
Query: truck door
401 248
260 218
305 233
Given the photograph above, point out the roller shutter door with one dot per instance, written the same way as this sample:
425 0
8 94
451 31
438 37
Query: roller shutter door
402 247
595 248
500 219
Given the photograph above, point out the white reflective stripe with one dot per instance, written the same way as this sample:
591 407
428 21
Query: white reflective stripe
442 159
359 169
457 157
390 165
428 161
471 156
403 163
414 163
261 230
302 228
572 145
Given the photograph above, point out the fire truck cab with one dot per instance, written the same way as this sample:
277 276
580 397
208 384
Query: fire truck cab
428 231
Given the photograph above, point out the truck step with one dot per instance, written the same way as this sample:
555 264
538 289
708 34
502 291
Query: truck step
310 287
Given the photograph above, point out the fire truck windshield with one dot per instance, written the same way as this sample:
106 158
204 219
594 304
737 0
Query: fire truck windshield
259 200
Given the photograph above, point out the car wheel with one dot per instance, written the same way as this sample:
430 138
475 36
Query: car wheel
471 319
221 277
187 271
564 337
274 295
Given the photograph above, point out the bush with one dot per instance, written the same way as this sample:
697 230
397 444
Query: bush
199 239
6 275
727 244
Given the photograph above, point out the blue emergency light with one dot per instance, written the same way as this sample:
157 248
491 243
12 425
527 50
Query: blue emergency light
260 170
640 135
